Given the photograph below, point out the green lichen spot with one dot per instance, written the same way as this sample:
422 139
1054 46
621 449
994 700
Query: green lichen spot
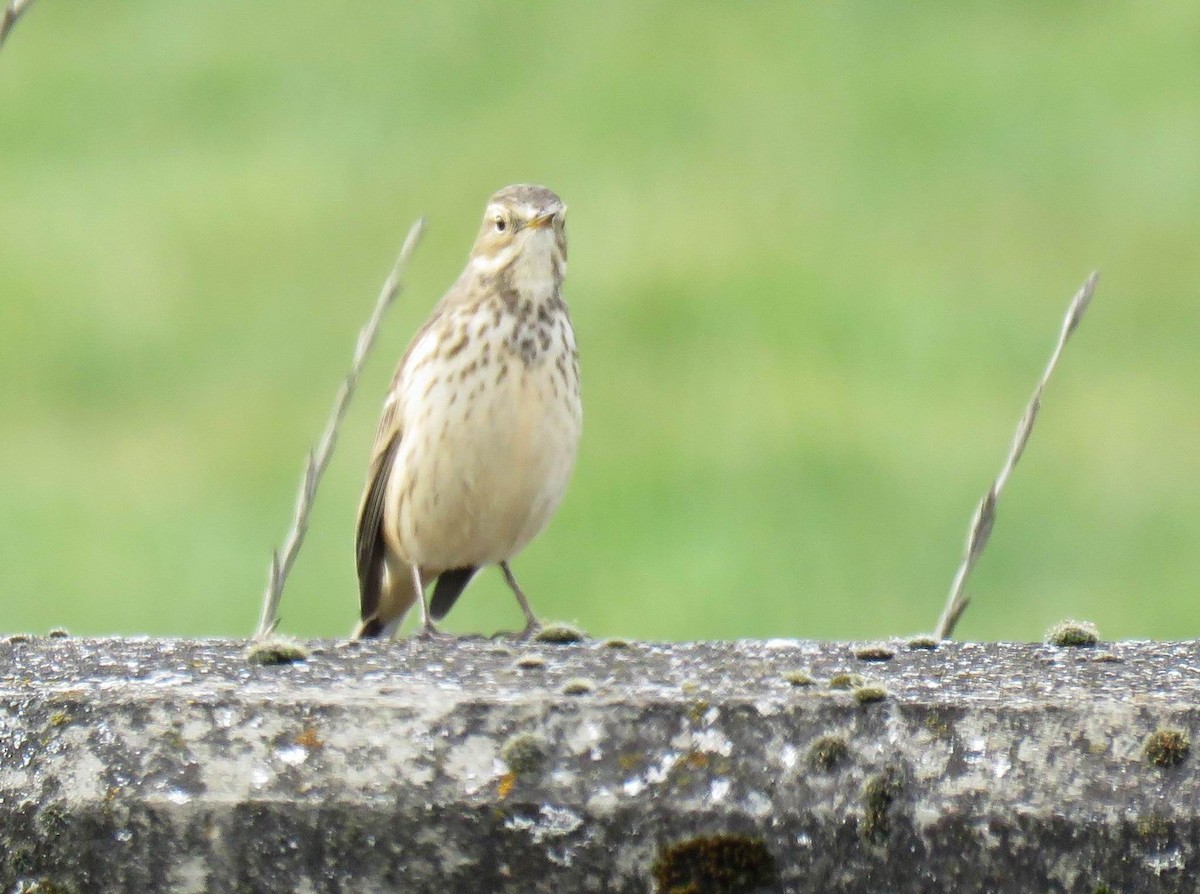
876 652
1167 747
924 643
728 864
866 695
45 886
879 793
1073 634
1103 889
275 651
58 633
578 686
54 819
799 678
827 752
1154 828
524 753
14 638
615 643
22 858
560 634
531 661
938 725
629 761
845 681
59 718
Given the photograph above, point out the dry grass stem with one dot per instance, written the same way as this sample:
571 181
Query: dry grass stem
985 513
281 562
13 11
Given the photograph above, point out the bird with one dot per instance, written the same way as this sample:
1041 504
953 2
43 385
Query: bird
481 425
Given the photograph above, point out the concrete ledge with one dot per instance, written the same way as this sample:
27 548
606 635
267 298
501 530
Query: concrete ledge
165 765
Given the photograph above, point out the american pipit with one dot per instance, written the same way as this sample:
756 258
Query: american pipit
481 425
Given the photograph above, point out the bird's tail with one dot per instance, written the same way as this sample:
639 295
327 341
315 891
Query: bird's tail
397 594
450 585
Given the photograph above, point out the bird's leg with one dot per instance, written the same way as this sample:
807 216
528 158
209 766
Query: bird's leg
428 630
532 624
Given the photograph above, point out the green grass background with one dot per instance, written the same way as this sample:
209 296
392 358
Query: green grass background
819 255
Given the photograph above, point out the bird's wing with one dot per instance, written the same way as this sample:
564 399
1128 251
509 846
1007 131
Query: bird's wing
370 548
369 543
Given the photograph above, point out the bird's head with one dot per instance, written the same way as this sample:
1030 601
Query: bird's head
526 222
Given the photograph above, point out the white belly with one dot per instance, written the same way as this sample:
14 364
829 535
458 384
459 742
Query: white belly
482 464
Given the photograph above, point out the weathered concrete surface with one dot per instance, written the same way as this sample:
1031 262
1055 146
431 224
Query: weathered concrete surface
152 765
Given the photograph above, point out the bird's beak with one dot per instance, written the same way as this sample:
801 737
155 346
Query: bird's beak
542 220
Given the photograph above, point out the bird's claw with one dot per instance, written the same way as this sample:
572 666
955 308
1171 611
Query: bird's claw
429 633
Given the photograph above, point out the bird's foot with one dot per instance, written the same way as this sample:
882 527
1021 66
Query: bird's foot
531 629
526 633
430 633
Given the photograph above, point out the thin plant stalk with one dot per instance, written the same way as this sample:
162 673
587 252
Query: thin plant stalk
318 459
13 11
985 512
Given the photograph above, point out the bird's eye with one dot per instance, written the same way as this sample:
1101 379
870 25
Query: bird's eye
501 226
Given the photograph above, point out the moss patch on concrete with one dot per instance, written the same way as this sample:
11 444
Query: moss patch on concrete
1167 747
729 864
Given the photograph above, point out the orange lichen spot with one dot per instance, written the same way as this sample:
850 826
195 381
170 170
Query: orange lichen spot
308 738
696 760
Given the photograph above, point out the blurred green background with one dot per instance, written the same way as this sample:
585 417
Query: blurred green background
819 256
